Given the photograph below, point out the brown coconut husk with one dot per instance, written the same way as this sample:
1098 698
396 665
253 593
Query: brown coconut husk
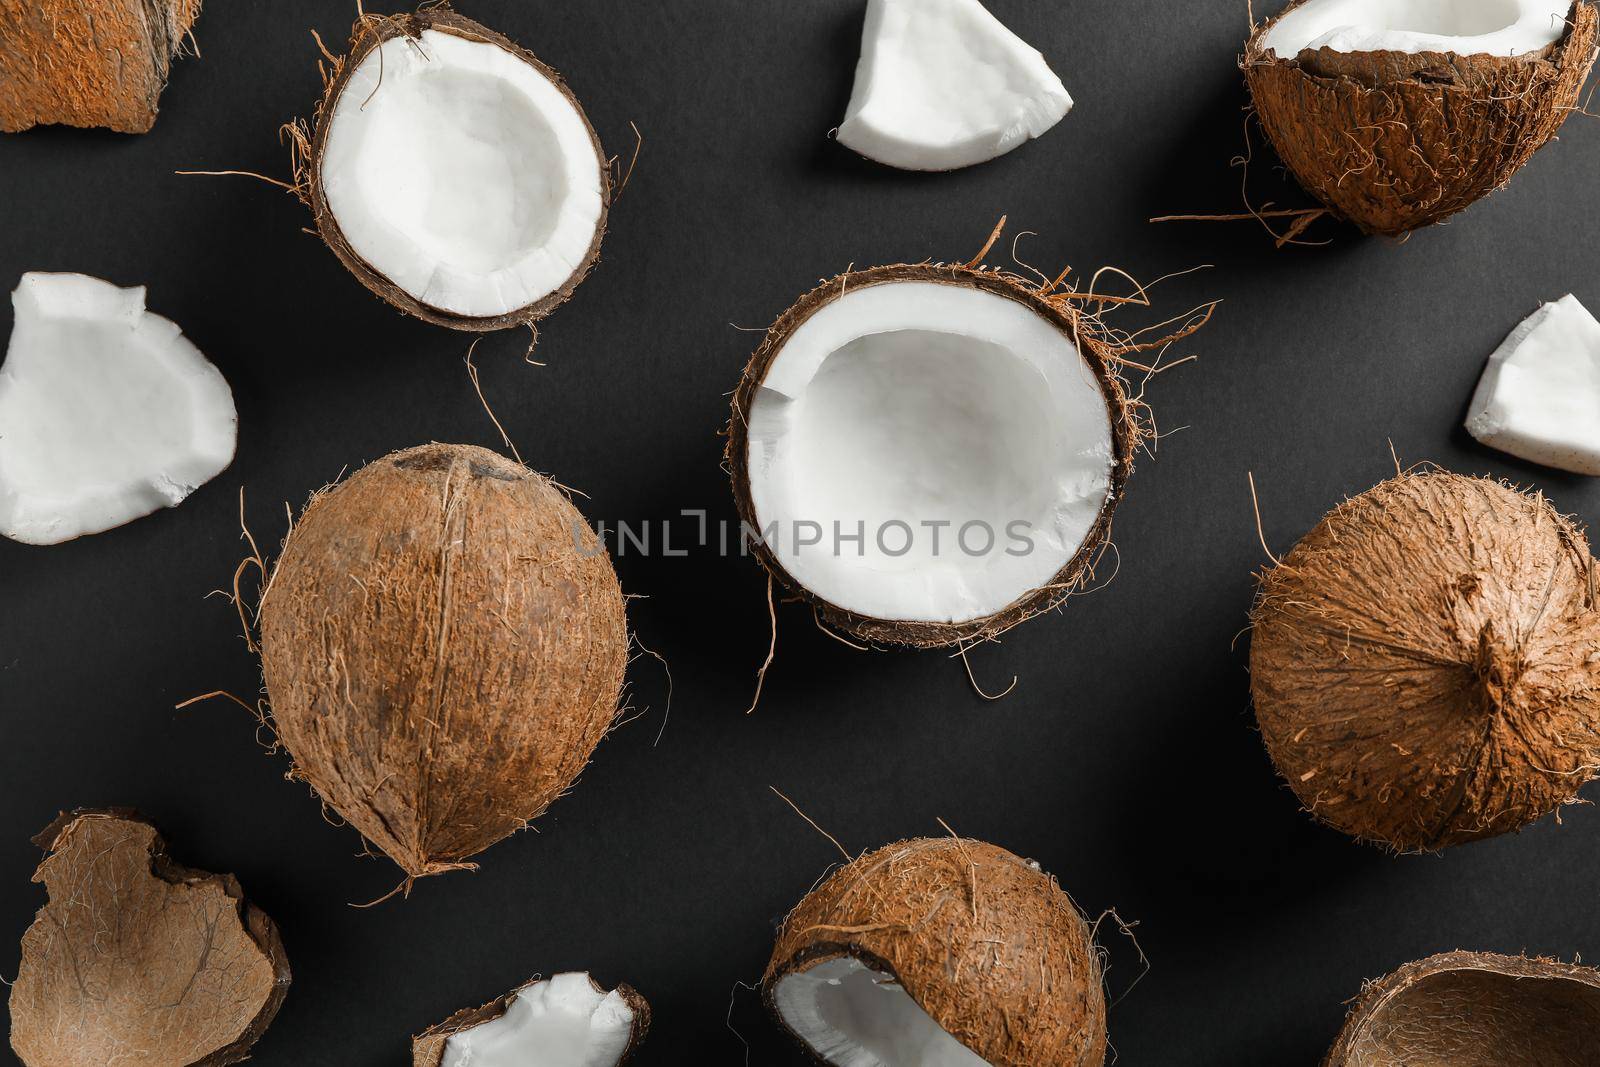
444 643
428 1047
133 951
1392 142
307 148
1426 662
1475 1009
982 940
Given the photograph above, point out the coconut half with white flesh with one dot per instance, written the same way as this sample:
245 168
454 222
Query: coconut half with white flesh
454 174
930 454
1399 113
569 1020
107 412
943 84
940 952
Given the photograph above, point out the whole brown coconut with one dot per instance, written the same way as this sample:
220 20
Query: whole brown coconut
1475 1009
444 643
1392 141
88 62
1426 662
136 959
982 941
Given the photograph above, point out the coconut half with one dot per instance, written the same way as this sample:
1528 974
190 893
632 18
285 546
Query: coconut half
108 412
1399 113
135 959
943 953
930 453
1474 1009
454 174
565 1021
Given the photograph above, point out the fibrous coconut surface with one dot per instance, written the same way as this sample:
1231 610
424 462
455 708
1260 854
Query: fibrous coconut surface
136 960
569 1020
107 412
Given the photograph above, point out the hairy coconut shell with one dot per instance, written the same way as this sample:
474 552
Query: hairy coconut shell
370 32
1475 1009
983 941
428 1047
444 643
1099 353
1392 142
1426 662
88 62
134 952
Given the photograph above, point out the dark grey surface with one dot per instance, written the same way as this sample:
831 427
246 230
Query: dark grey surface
1125 761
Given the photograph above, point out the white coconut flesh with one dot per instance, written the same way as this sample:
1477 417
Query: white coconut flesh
561 1022
461 174
854 1016
107 412
927 417
1462 27
943 84
1539 397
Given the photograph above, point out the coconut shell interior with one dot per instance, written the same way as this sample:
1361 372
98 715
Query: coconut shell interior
428 1047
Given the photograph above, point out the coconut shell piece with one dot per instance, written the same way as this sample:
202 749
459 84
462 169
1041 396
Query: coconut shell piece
1475 1009
1391 142
443 639
428 1047
88 62
1426 662
136 959
982 940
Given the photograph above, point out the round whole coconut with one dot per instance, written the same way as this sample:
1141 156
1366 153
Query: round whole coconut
1391 140
1474 1009
997 962
1425 663
444 642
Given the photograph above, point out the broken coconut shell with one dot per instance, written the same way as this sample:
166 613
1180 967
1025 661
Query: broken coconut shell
134 952
428 1048
1393 141
1425 663
1474 1009
986 944
443 639
88 62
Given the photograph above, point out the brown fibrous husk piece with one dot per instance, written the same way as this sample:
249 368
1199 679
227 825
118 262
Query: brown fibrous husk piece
428 1047
1425 663
307 148
88 62
1474 1009
135 958
443 640
1392 142
988 945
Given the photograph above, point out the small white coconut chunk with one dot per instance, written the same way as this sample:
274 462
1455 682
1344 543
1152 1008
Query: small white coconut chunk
564 1021
1463 27
462 174
107 412
854 1016
1539 398
942 84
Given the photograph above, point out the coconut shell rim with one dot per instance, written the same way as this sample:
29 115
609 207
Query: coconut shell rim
468 1018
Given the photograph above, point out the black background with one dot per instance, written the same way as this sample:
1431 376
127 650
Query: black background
1125 760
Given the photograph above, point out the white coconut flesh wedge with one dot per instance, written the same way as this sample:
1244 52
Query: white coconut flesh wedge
107 412
943 84
1539 398
1462 27
564 1021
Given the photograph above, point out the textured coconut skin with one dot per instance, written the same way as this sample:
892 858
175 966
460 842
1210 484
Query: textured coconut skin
441 655
1073 576
1475 1009
983 941
88 62
134 951
1426 662
1392 142
428 1047
370 32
